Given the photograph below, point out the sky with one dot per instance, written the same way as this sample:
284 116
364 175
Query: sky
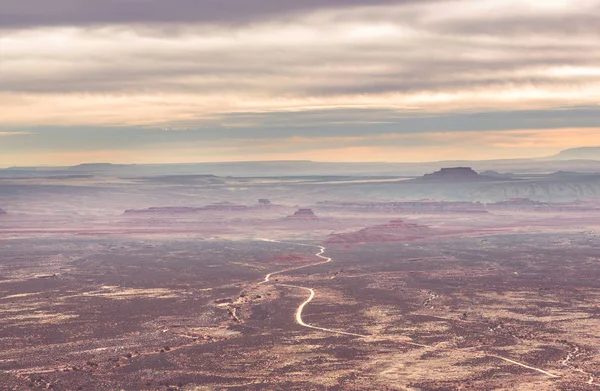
165 81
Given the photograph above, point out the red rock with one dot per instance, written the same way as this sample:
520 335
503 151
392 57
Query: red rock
394 231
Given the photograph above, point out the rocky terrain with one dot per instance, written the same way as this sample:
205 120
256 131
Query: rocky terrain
2 212
469 286
509 303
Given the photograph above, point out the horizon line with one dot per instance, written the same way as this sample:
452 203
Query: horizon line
545 158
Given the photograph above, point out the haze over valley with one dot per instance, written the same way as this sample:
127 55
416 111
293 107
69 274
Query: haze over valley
298 195
170 277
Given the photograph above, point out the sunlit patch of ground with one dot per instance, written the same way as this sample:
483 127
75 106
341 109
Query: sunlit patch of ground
406 367
7 308
37 317
20 295
117 293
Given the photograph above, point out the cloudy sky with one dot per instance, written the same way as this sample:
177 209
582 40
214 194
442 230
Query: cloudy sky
150 81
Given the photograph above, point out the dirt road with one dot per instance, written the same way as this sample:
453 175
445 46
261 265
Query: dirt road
312 294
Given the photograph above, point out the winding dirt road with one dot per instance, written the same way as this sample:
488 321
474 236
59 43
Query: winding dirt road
319 254
301 308
312 294
311 291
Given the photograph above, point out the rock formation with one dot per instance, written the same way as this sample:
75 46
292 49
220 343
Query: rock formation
520 201
523 204
456 174
405 207
163 210
394 231
225 206
303 214
583 153
219 206
496 174
2 212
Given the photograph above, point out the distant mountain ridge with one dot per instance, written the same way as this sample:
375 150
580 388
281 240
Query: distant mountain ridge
582 153
585 159
99 166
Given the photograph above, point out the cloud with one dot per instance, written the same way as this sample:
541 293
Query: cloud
419 54
32 13
288 69
315 129
415 147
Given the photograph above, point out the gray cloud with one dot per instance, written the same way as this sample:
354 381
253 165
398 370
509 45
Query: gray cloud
162 62
329 69
315 124
306 132
554 25
31 13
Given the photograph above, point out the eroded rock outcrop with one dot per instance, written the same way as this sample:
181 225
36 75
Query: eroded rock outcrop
303 214
225 206
394 231
405 207
2 212
168 210
163 210
456 174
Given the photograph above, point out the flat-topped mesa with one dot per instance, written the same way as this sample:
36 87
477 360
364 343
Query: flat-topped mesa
393 231
163 210
496 174
303 214
455 174
225 206
582 153
402 225
406 207
523 202
170 210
